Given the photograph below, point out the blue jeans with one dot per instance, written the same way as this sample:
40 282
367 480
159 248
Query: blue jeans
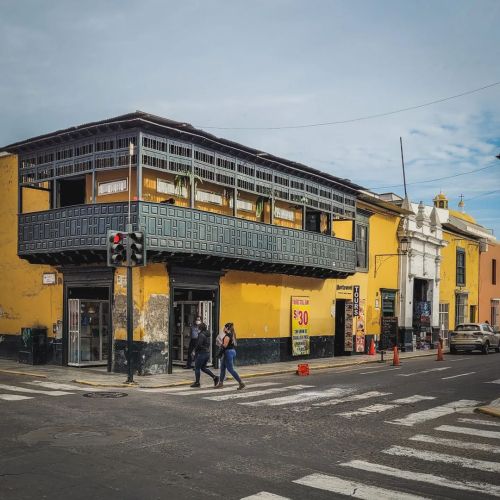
200 365
227 363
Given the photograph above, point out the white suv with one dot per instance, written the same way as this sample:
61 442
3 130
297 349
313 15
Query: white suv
473 337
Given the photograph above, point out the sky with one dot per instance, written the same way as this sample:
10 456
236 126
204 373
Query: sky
246 70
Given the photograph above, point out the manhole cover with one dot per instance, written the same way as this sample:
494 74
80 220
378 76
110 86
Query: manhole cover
109 395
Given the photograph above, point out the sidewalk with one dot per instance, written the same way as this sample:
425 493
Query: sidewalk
99 377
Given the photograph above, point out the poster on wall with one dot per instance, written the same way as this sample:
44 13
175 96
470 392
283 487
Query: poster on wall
300 326
360 327
348 342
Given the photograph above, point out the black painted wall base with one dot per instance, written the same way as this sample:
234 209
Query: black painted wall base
9 346
274 350
148 358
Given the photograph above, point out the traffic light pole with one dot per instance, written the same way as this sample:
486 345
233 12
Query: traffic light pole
130 327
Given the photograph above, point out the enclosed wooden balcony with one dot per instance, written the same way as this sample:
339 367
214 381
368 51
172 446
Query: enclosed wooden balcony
77 234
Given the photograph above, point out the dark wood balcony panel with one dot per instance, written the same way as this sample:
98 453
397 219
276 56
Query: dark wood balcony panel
79 233
173 229
71 229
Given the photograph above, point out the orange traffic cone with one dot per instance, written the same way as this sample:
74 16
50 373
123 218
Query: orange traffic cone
395 358
440 356
371 352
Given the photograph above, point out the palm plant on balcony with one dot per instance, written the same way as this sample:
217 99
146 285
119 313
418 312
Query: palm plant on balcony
184 179
259 206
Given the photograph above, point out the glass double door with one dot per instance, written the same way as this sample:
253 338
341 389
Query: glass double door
185 313
88 332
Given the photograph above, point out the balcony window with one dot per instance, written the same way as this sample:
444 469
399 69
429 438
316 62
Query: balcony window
112 187
166 187
361 246
207 197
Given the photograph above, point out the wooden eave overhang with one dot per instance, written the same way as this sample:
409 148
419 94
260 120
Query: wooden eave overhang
181 130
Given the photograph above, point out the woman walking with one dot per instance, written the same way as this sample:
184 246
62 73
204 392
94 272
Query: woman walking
202 353
228 352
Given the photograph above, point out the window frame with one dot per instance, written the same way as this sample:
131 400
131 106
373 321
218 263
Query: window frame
460 270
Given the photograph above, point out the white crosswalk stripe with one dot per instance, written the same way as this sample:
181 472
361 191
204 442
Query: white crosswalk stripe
469 431
62 387
185 391
478 421
353 488
378 408
302 397
252 394
354 397
488 489
455 443
264 495
433 413
15 388
14 397
494 382
431 456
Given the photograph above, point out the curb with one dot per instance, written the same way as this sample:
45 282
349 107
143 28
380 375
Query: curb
28 374
284 371
493 411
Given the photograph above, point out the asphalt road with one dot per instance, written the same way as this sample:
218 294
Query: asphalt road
371 431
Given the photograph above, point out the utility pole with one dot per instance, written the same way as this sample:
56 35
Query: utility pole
403 164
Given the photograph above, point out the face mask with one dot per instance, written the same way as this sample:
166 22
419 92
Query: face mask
198 322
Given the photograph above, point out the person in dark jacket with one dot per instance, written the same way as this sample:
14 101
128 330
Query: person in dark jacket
202 355
193 340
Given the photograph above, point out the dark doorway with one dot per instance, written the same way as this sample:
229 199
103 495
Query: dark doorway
71 191
339 343
317 221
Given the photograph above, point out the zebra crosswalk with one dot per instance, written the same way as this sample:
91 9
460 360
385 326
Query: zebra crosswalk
20 392
382 480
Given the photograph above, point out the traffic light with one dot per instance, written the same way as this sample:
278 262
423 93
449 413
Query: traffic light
117 253
136 249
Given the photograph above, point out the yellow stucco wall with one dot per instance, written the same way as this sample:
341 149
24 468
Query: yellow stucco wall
24 300
260 304
382 240
343 229
448 285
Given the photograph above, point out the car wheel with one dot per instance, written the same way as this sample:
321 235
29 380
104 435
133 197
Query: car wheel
453 350
497 348
486 348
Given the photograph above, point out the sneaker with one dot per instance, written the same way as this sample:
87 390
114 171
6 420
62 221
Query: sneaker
220 385
195 384
241 386
216 381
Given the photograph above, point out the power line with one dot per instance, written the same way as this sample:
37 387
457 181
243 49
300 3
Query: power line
482 195
493 164
362 118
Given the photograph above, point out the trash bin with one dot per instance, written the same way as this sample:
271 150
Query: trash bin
33 350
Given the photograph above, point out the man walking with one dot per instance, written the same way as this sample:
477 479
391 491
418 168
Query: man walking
193 340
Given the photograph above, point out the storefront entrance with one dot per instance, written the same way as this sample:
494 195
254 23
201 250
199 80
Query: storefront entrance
343 342
185 313
88 326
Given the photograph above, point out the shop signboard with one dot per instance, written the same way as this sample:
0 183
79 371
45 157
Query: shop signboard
355 300
300 326
343 292
388 332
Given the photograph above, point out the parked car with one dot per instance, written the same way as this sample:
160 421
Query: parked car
474 337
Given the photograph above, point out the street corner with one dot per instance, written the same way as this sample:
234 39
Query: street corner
102 384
